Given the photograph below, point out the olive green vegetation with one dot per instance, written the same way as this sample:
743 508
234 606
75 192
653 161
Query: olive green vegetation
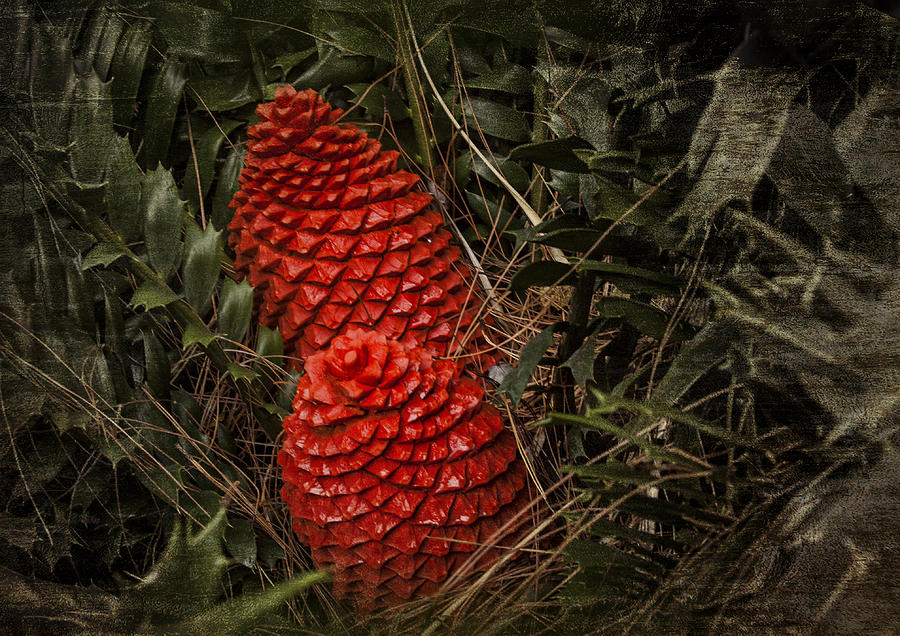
712 185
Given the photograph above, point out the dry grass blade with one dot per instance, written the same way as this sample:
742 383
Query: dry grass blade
520 200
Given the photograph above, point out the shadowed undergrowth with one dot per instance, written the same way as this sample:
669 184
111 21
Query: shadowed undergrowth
683 221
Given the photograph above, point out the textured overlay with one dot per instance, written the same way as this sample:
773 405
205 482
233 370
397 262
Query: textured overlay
332 235
396 470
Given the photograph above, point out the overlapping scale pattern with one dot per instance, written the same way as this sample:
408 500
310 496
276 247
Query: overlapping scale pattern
395 468
331 235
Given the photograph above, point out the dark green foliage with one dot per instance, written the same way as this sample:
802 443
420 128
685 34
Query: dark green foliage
182 591
711 186
791 342
103 271
181 594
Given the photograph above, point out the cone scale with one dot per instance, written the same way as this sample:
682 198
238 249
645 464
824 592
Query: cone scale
396 470
332 235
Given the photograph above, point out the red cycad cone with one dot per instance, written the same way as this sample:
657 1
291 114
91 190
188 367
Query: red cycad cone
332 235
395 468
